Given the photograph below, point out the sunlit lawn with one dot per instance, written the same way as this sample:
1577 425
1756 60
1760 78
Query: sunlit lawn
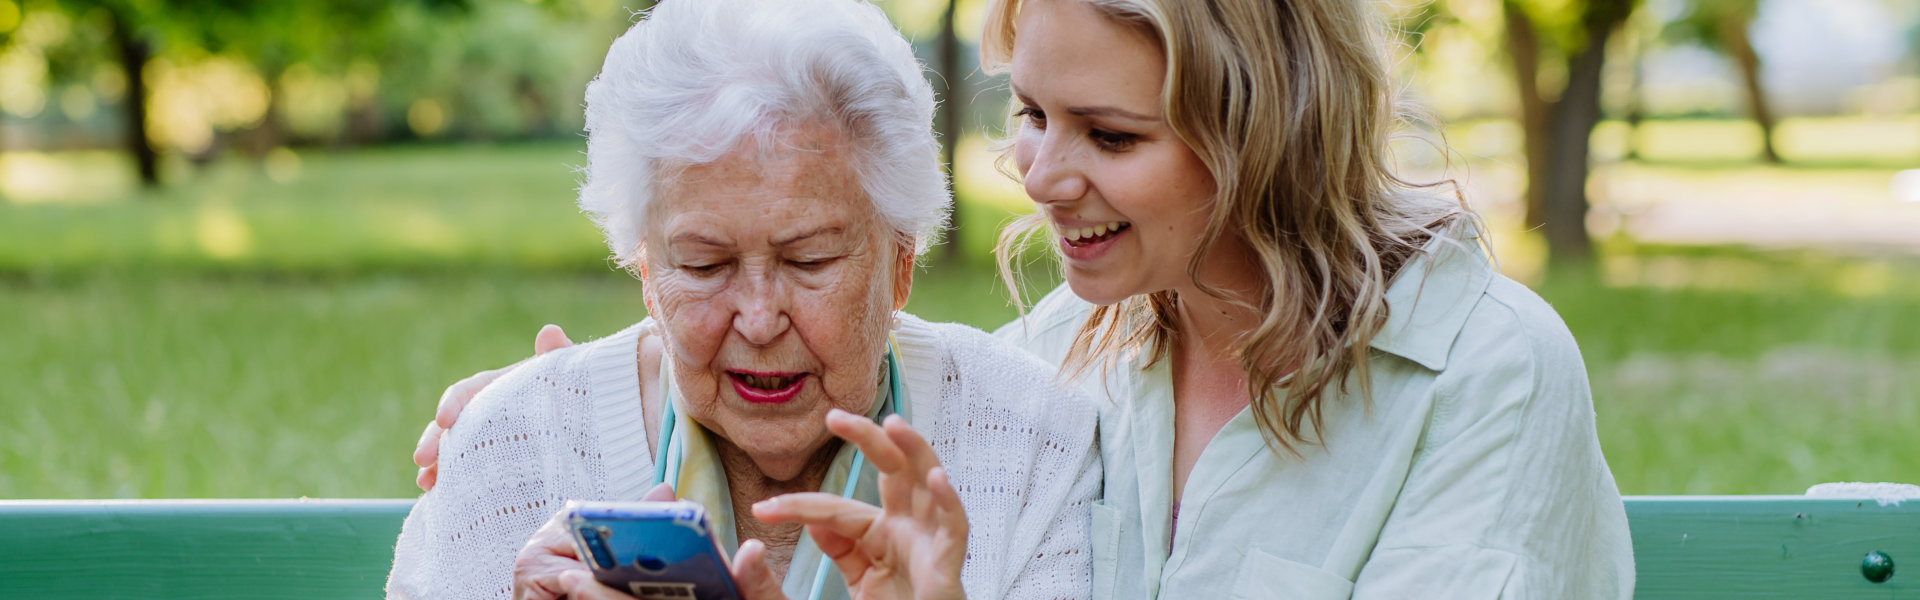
240 337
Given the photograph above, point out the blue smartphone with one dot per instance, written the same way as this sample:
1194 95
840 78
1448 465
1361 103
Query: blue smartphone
653 550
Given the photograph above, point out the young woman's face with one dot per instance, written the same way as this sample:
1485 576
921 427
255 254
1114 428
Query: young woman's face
1126 199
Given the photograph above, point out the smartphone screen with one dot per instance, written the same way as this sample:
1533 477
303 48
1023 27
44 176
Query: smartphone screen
653 550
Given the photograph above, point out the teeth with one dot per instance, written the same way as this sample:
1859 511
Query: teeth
767 383
1081 233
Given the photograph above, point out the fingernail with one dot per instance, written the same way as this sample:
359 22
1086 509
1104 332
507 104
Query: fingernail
575 578
767 504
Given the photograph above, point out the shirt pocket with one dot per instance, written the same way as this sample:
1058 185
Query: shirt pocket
1267 576
1104 541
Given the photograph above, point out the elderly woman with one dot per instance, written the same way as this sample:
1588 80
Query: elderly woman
767 169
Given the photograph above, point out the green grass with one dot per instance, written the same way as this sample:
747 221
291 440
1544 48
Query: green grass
233 336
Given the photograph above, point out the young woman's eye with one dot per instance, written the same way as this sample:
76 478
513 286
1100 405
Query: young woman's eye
1112 141
1032 115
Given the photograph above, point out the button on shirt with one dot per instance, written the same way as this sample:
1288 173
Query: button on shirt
1475 472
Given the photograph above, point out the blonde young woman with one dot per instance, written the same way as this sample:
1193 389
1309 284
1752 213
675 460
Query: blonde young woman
1315 384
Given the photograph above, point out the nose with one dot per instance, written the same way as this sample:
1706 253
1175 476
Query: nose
1053 171
761 311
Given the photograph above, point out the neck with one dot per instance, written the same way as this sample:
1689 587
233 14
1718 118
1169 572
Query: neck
1211 327
748 484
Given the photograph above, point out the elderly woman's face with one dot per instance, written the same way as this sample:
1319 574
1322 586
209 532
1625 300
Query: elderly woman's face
775 281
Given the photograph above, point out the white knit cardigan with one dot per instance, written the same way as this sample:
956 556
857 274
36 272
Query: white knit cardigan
1018 447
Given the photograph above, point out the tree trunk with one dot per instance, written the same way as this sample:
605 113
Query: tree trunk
134 53
1636 106
1523 45
1573 117
953 82
1733 33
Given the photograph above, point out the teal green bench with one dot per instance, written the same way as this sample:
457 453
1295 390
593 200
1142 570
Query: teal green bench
1685 547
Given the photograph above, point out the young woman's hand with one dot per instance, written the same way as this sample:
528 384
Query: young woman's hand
426 453
913 546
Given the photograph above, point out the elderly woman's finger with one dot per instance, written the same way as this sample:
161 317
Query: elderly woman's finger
580 585
914 448
752 575
546 555
849 518
426 452
951 514
871 440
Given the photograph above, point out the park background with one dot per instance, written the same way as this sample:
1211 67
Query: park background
244 245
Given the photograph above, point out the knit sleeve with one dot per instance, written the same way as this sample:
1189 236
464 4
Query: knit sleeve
1063 566
1020 448
522 448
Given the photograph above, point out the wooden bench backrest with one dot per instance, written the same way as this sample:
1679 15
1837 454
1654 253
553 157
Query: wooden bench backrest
1684 547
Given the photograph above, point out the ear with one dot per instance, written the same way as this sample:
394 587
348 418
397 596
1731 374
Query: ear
902 274
646 285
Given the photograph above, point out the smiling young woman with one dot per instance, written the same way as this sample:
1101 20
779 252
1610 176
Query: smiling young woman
1317 385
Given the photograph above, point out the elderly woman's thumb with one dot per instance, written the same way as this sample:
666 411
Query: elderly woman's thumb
752 575
581 586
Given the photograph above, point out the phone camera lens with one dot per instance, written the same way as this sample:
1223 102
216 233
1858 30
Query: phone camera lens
597 547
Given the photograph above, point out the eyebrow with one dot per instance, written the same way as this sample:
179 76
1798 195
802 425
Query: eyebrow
1093 111
817 231
688 237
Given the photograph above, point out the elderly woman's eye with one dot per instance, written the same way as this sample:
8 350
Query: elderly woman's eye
812 264
702 268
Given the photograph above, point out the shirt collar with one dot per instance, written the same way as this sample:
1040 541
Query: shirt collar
1428 302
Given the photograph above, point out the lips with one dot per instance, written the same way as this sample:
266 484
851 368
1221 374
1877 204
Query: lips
1084 244
767 388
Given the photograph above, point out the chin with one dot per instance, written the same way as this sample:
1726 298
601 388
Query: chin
1093 290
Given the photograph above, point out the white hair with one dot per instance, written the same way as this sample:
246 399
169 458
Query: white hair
696 78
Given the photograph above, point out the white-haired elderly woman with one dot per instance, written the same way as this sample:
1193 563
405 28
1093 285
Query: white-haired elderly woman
768 170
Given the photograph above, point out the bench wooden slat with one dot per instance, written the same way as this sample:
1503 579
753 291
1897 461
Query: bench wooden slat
198 549
1684 547
1770 547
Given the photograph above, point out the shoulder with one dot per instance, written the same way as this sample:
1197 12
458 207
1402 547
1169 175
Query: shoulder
1514 361
562 382
990 371
1048 329
1512 327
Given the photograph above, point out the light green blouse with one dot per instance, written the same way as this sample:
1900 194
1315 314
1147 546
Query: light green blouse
1475 473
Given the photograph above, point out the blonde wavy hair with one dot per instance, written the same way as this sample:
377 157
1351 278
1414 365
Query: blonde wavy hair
1290 106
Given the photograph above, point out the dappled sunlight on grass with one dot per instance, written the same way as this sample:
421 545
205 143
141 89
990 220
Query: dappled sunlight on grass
89 177
243 334
1773 424
221 233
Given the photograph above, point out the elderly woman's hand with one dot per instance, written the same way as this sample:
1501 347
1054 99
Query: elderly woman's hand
548 567
426 453
914 546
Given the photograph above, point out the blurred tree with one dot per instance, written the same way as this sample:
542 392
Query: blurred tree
273 35
133 47
1559 107
952 89
1721 26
